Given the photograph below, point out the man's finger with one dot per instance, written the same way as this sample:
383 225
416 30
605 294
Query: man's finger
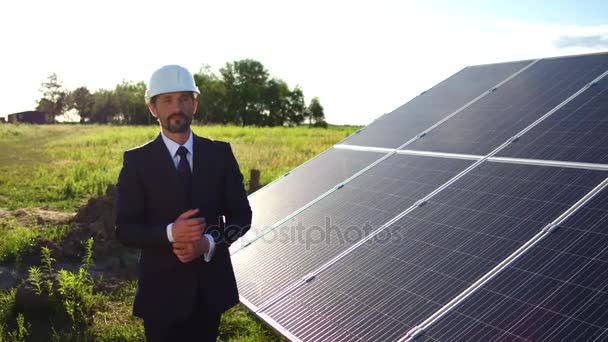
187 214
199 221
180 245
181 253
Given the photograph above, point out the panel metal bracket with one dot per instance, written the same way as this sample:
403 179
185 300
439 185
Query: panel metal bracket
550 228
309 277
414 333
420 203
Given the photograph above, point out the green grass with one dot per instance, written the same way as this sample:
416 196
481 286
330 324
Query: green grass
60 167
16 239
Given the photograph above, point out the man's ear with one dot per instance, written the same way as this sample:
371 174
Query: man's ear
152 109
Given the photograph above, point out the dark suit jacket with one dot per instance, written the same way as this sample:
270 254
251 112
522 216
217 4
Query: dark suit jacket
150 195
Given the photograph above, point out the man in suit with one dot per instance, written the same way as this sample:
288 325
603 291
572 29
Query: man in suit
181 201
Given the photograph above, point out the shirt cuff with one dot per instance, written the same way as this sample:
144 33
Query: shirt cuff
211 250
170 232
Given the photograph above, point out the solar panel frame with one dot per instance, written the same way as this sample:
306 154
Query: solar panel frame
480 159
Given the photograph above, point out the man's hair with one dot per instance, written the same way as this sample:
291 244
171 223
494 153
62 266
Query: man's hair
153 99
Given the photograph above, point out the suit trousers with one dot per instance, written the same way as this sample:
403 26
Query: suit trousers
200 326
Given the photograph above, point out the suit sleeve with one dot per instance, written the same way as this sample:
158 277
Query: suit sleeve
236 205
130 227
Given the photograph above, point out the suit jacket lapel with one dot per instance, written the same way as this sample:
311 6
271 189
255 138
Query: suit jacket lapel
202 169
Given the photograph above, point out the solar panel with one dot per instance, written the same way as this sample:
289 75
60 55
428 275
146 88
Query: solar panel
398 278
448 238
337 222
492 120
557 291
578 132
302 185
405 122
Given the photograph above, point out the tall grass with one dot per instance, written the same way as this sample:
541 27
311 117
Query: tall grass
60 166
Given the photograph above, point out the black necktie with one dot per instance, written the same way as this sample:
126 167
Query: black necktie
183 169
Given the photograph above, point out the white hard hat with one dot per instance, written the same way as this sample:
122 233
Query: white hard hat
170 78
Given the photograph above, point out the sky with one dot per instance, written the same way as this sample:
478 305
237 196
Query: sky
361 58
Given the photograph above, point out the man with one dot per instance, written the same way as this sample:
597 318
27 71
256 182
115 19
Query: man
173 194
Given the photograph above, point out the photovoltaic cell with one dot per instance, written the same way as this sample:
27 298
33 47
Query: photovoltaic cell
557 291
491 121
403 275
302 185
578 132
396 128
336 222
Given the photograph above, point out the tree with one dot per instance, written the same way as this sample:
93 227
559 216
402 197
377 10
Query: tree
316 116
131 107
54 97
212 102
295 107
276 103
245 81
82 101
105 106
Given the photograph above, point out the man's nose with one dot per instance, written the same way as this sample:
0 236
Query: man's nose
176 106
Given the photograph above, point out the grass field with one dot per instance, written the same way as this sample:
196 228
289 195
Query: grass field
59 167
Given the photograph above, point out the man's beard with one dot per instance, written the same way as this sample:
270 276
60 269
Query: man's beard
177 123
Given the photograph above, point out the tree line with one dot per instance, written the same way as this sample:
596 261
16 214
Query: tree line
243 94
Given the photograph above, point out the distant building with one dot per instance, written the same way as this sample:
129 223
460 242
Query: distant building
2 120
31 116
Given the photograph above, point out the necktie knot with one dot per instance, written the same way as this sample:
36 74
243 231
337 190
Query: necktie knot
182 151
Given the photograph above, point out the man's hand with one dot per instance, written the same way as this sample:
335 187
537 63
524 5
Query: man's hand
187 229
188 251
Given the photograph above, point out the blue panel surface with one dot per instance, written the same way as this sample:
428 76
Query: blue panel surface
491 121
278 200
397 279
578 132
394 129
558 291
335 223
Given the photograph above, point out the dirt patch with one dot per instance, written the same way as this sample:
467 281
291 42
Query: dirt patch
36 216
96 220
97 217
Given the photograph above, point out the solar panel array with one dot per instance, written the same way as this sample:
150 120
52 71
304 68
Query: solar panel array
476 211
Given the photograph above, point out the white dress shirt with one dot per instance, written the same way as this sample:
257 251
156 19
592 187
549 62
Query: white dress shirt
172 146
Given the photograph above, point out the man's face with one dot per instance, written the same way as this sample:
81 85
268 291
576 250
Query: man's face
174 111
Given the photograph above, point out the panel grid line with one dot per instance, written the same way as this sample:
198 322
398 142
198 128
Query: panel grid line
506 160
